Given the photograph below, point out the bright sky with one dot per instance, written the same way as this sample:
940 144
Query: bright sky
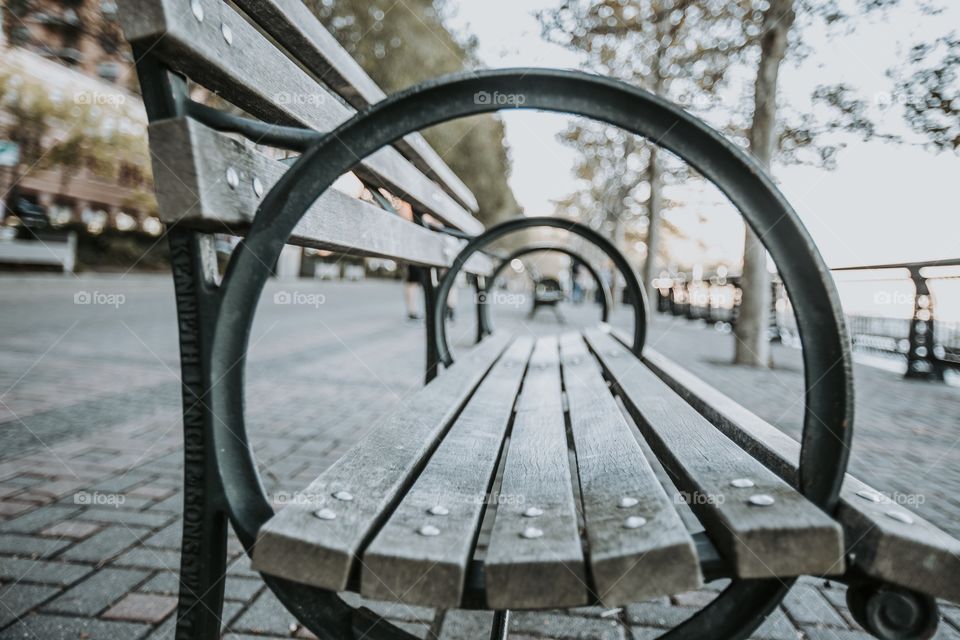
883 203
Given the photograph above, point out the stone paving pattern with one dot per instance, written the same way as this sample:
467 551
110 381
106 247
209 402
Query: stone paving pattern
90 455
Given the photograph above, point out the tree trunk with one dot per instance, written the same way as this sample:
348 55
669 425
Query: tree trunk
654 205
752 345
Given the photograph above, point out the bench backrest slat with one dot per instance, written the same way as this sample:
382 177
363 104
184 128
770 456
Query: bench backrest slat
191 162
218 48
291 24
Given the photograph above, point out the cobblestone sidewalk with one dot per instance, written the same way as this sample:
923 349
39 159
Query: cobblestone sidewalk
90 456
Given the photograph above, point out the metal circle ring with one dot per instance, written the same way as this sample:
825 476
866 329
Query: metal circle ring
828 409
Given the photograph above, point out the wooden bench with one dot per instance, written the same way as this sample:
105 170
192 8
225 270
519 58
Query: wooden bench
529 473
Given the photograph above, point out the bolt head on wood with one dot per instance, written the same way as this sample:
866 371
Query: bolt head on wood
531 533
634 522
870 496
438 510
761 500
626 502
197 10
227 33
741 483
344 496
325 514
900 516
257 187
428 530
233 178
533 512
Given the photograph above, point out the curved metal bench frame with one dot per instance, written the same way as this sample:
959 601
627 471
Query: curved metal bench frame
497 232
486 324
223 480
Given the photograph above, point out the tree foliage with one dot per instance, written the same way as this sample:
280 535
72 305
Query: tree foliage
402 43
928 86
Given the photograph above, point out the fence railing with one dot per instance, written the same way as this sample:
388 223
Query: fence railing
928 345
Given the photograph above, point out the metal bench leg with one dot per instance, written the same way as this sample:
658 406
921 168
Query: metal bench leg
204 546
889 612
501 625
429 312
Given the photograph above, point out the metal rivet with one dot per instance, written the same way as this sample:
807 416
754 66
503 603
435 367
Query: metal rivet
532 532
197 9
227 33
233 178
627 502
325 514
257 187
634 522
533 512
872 496
741 483
428 530
761 500
438 510
346 496
900 516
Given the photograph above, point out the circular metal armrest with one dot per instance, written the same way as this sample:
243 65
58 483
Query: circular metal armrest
828 407
494 233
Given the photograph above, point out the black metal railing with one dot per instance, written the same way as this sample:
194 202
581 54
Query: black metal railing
927 344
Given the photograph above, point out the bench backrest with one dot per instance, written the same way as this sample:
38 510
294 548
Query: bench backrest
275 61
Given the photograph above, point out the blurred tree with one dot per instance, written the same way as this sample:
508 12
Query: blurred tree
402 43
675 48
928 85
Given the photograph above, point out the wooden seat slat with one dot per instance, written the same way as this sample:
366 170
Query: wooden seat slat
297 545
190 163
919 555
295 28
789 537
654 559
535 562
250 72
403 564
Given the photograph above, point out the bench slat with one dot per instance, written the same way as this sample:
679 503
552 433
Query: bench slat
298 545
545 568
401 563
790 537
190 162
256 76
627 564
297 30
919 556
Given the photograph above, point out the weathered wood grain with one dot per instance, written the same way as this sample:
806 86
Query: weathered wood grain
545 567
919 556
250 72
789 537
298 545
617 483
297 30
403 564
190 164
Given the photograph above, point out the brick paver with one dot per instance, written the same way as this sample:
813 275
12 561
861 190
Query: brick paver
90 455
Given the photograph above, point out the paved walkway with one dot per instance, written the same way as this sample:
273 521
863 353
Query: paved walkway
90 453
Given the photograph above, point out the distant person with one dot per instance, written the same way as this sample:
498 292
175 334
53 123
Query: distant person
577 288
